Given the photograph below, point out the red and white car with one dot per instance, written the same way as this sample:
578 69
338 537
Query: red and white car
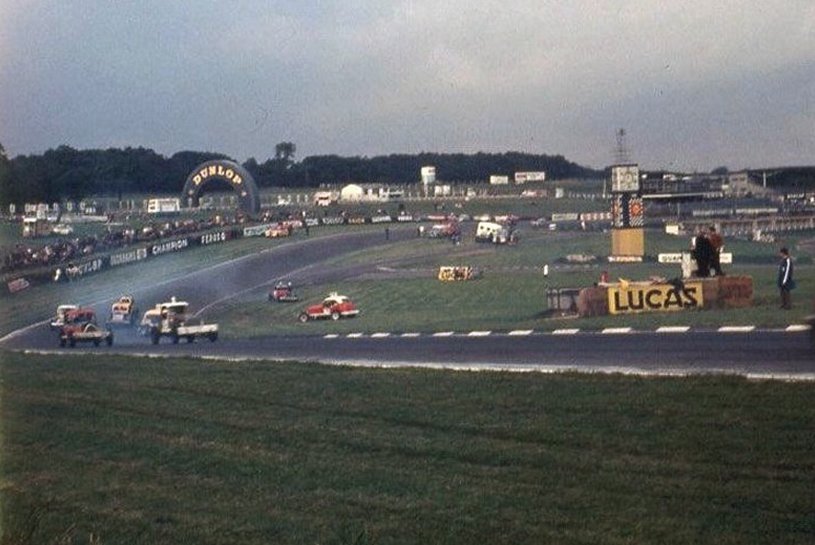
334 306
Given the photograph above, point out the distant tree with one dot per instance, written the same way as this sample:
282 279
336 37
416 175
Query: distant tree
6 192
284 151
251 165
719 171
68 173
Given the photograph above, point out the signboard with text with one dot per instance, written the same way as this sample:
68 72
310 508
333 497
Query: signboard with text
654 298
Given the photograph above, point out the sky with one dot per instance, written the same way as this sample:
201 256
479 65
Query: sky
695 84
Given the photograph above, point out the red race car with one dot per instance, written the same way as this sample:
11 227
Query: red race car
334 306
283 292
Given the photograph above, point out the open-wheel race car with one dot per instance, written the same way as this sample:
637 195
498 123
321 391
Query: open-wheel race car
283 292
80 326
334 306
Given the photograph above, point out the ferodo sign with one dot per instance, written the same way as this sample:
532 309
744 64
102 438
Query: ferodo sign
654 298
213 238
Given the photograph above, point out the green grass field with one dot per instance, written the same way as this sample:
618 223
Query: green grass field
511 294
120 450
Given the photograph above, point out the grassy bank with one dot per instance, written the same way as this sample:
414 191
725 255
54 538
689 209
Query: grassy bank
181 451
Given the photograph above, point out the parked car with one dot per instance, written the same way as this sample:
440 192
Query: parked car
334 306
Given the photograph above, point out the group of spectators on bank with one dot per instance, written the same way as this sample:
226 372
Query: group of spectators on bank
66 250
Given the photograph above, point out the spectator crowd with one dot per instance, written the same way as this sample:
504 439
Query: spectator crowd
67 250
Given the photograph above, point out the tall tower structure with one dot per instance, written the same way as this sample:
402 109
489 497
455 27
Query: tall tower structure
627 210
621 153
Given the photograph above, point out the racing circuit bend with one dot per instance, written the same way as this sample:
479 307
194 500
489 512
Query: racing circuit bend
757 353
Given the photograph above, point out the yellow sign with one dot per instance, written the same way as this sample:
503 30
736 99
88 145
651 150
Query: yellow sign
219 171
654 298
451 274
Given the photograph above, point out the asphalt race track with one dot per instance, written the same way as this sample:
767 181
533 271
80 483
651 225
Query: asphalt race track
772 353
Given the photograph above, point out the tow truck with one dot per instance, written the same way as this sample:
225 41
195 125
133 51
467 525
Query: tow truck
80 326
152 317
123 311
174 322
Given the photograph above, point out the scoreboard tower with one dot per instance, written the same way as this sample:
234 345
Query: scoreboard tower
627 213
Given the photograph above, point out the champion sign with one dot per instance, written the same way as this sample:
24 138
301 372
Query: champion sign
170 246
654 298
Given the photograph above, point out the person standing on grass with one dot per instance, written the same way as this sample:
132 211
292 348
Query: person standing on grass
701 251
786 283
716 245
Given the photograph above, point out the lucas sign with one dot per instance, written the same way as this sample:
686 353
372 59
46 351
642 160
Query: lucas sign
654 298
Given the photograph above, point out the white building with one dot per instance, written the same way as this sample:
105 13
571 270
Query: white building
352 192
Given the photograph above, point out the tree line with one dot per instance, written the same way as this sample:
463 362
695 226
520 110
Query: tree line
66 173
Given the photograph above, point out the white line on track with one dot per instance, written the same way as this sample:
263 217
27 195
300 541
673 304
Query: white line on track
355 335
616 330
380 335
411 335
673 329
520 333
479 333
797 327
565 332
331 336
736 329
444 334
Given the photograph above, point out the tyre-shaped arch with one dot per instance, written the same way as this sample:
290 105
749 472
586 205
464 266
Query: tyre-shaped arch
232 173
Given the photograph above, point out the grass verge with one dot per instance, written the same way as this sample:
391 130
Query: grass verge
123 450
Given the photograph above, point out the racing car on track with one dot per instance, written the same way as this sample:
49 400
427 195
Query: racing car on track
80 326
283 292
278 231
123 311
59 318
334 306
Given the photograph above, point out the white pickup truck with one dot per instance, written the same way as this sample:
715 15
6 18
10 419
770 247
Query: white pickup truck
173 322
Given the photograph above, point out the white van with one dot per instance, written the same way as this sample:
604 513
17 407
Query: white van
488 231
